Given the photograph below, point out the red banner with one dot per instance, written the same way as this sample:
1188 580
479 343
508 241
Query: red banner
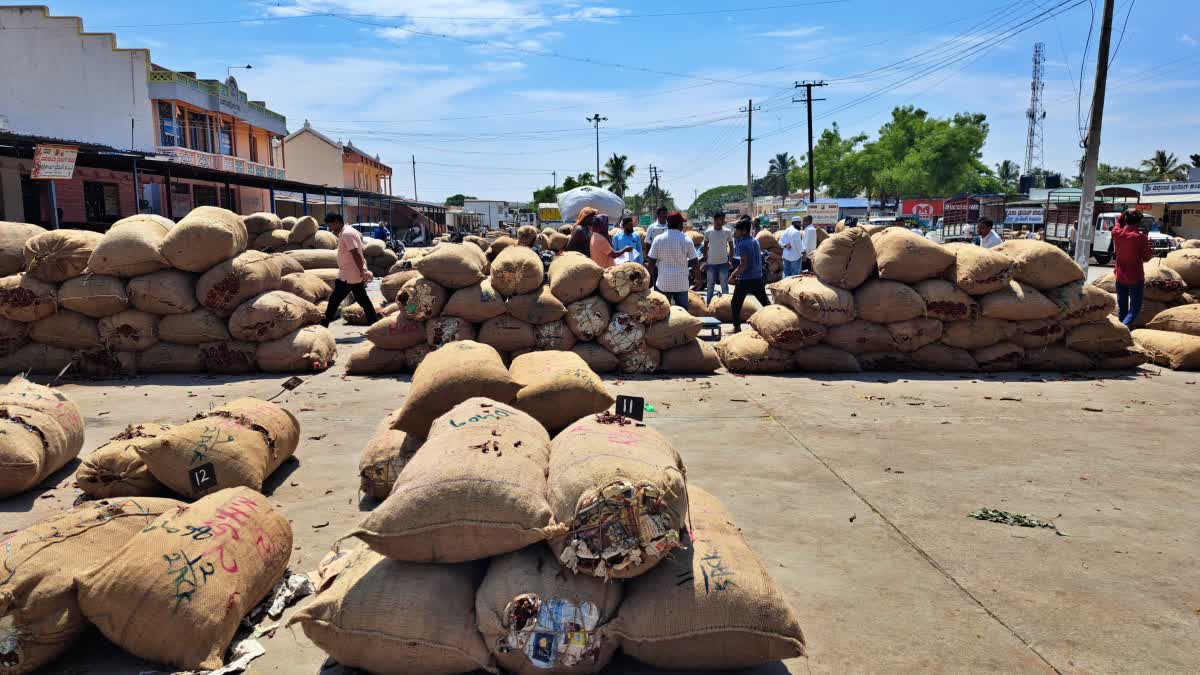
922 208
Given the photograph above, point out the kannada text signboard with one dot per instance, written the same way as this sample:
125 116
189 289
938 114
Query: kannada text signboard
824 214
1023 215
54 162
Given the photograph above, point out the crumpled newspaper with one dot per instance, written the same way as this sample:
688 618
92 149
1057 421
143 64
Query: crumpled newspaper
240 656
286 592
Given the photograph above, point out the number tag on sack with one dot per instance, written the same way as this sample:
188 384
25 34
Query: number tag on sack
633 407
203 477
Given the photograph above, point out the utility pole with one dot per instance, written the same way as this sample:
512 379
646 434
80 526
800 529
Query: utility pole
596 120
654 186
749 110
555 184
414 160
808 87
1085 231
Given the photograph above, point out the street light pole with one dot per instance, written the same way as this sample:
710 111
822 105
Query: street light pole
596 120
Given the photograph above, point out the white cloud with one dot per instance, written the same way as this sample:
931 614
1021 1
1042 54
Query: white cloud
1189 40
502 66
804 31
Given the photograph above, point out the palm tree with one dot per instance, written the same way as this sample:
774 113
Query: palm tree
1009 174
1163 166
616 174
777 174
1195 160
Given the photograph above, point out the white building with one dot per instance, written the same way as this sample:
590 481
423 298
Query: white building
496 213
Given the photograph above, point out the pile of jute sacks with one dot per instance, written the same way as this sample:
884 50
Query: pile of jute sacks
890 299
1167 330
541 534
153 296
271 234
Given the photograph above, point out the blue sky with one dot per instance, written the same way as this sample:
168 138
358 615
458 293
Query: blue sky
491 95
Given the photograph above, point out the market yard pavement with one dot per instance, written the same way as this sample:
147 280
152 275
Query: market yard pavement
855 491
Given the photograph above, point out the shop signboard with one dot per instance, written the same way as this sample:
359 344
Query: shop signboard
1024 215
924 209
1171 188
54 162
824 214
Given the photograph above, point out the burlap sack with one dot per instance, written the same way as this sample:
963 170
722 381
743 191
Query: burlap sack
131 247
164 292
237 444
1039 264
507 333
911 335
66 329
999 357
305 285
526 234
39 611
58 255
784 328
1055 357
12 245
482 243
698 306
893 361
1182 319
1080 303
908 257
270 241
222 555
620 490
369 359
37 359
1037 333
845 259
23 393
396 332
1099 337
824 359
443 330
236 280
722 308
678 329
116 470
323 239
1186 263
305 227
204 237
814 300
355 315
129 331
1172 350
476 303
574 276
449 376
618 281
979 270
942 357
642 360
270 316
287 264
392 618
535 619
42 431
1163 284
599 359
310 349
373 247
391 284
1018 302
94 295
885 301
767 241
194 328
453 265
164 357
861 337
646 306
557 242
319 259
555 335
261 222
749 352
501 243
696 357
14 335
1106 282
557 388
415 355
976 333
287 222
588 318
517 270
229 357
1150 309
537 307
421 299
24 298
384 457
1128 359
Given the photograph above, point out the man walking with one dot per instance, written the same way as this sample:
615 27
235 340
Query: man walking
792 241
987 236
353 274
748 277
656 229
1132 248
810 243
672 256
627 238
718 245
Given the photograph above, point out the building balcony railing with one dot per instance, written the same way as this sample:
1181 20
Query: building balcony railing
209 87
206 160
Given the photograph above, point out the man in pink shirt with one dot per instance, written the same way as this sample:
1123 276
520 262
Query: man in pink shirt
353 274
600 249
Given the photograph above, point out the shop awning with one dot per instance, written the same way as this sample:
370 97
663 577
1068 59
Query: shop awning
1193 198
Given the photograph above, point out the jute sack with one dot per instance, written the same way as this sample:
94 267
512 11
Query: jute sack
815 300
526 234
305 227
555 335
165 357
1182 319
1018 302
1037 333
37 359
767 241
24 298
979 270
622 335
1039 264
618 281
58 255
116 470
443 330
476 489
476 303
678 329
506 333
861 337
1163 284
574 276
449 376
698 306
1124 360
287 222
557 242
620 489
845 259
391 284
384 457
129 331
824 359
373 247
66 329
261 222
310 349
318 259
237 444
39 611
911 335
194 328
722 308
396 332
14 335
287 264
535 619
999 357
1172 350
454 265
371 359
908 257
229 357
696 357
164 292
646 306
415 355
236 280
393 618
588 318
599 359
210 582
272 240
499 245
12 245
976 333
517 270
893 361
943 358
94 295
642 360
323 239
712 606
1080 303
482 243
1106 282
1186 263
537 307
421 299
131 247
1099 337
355 315
557 388
270 316
885 301
42 431
308 286
1150 309
1055 357
204 237
749 352
784 328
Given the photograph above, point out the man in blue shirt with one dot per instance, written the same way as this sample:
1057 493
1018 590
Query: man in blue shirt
627 237
748 277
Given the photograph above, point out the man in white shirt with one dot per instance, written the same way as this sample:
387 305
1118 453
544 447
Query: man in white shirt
987 236
718 246
672 256
792 242
657 228
810 242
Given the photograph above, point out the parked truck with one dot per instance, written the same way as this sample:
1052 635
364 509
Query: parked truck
1059 234
962 213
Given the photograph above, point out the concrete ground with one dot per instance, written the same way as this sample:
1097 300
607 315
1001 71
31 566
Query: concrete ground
854 490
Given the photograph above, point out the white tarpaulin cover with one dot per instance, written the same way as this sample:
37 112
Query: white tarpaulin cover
571 202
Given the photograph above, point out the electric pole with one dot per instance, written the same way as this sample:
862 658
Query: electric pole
808 87
596 120
749 110
555 184
414 162
1085 230
654 186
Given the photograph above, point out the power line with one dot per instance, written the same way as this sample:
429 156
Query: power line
1121 39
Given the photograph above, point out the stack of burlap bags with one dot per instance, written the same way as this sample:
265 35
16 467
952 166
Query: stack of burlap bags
41 430
271 234
1168 327
504 297
893 300
152 296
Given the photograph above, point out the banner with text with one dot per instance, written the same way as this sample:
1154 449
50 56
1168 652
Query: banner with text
1021 215
54 162
924 209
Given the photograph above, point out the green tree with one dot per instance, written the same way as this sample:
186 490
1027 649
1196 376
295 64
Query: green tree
777 174
616 174
715 199
545 195
837 169
1195 160
585 178
1163 166
1009 175
636 204
918 155
458 199
653 198
1107 174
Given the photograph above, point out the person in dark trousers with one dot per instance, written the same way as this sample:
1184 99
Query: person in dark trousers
353 275
748 277
1132 248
